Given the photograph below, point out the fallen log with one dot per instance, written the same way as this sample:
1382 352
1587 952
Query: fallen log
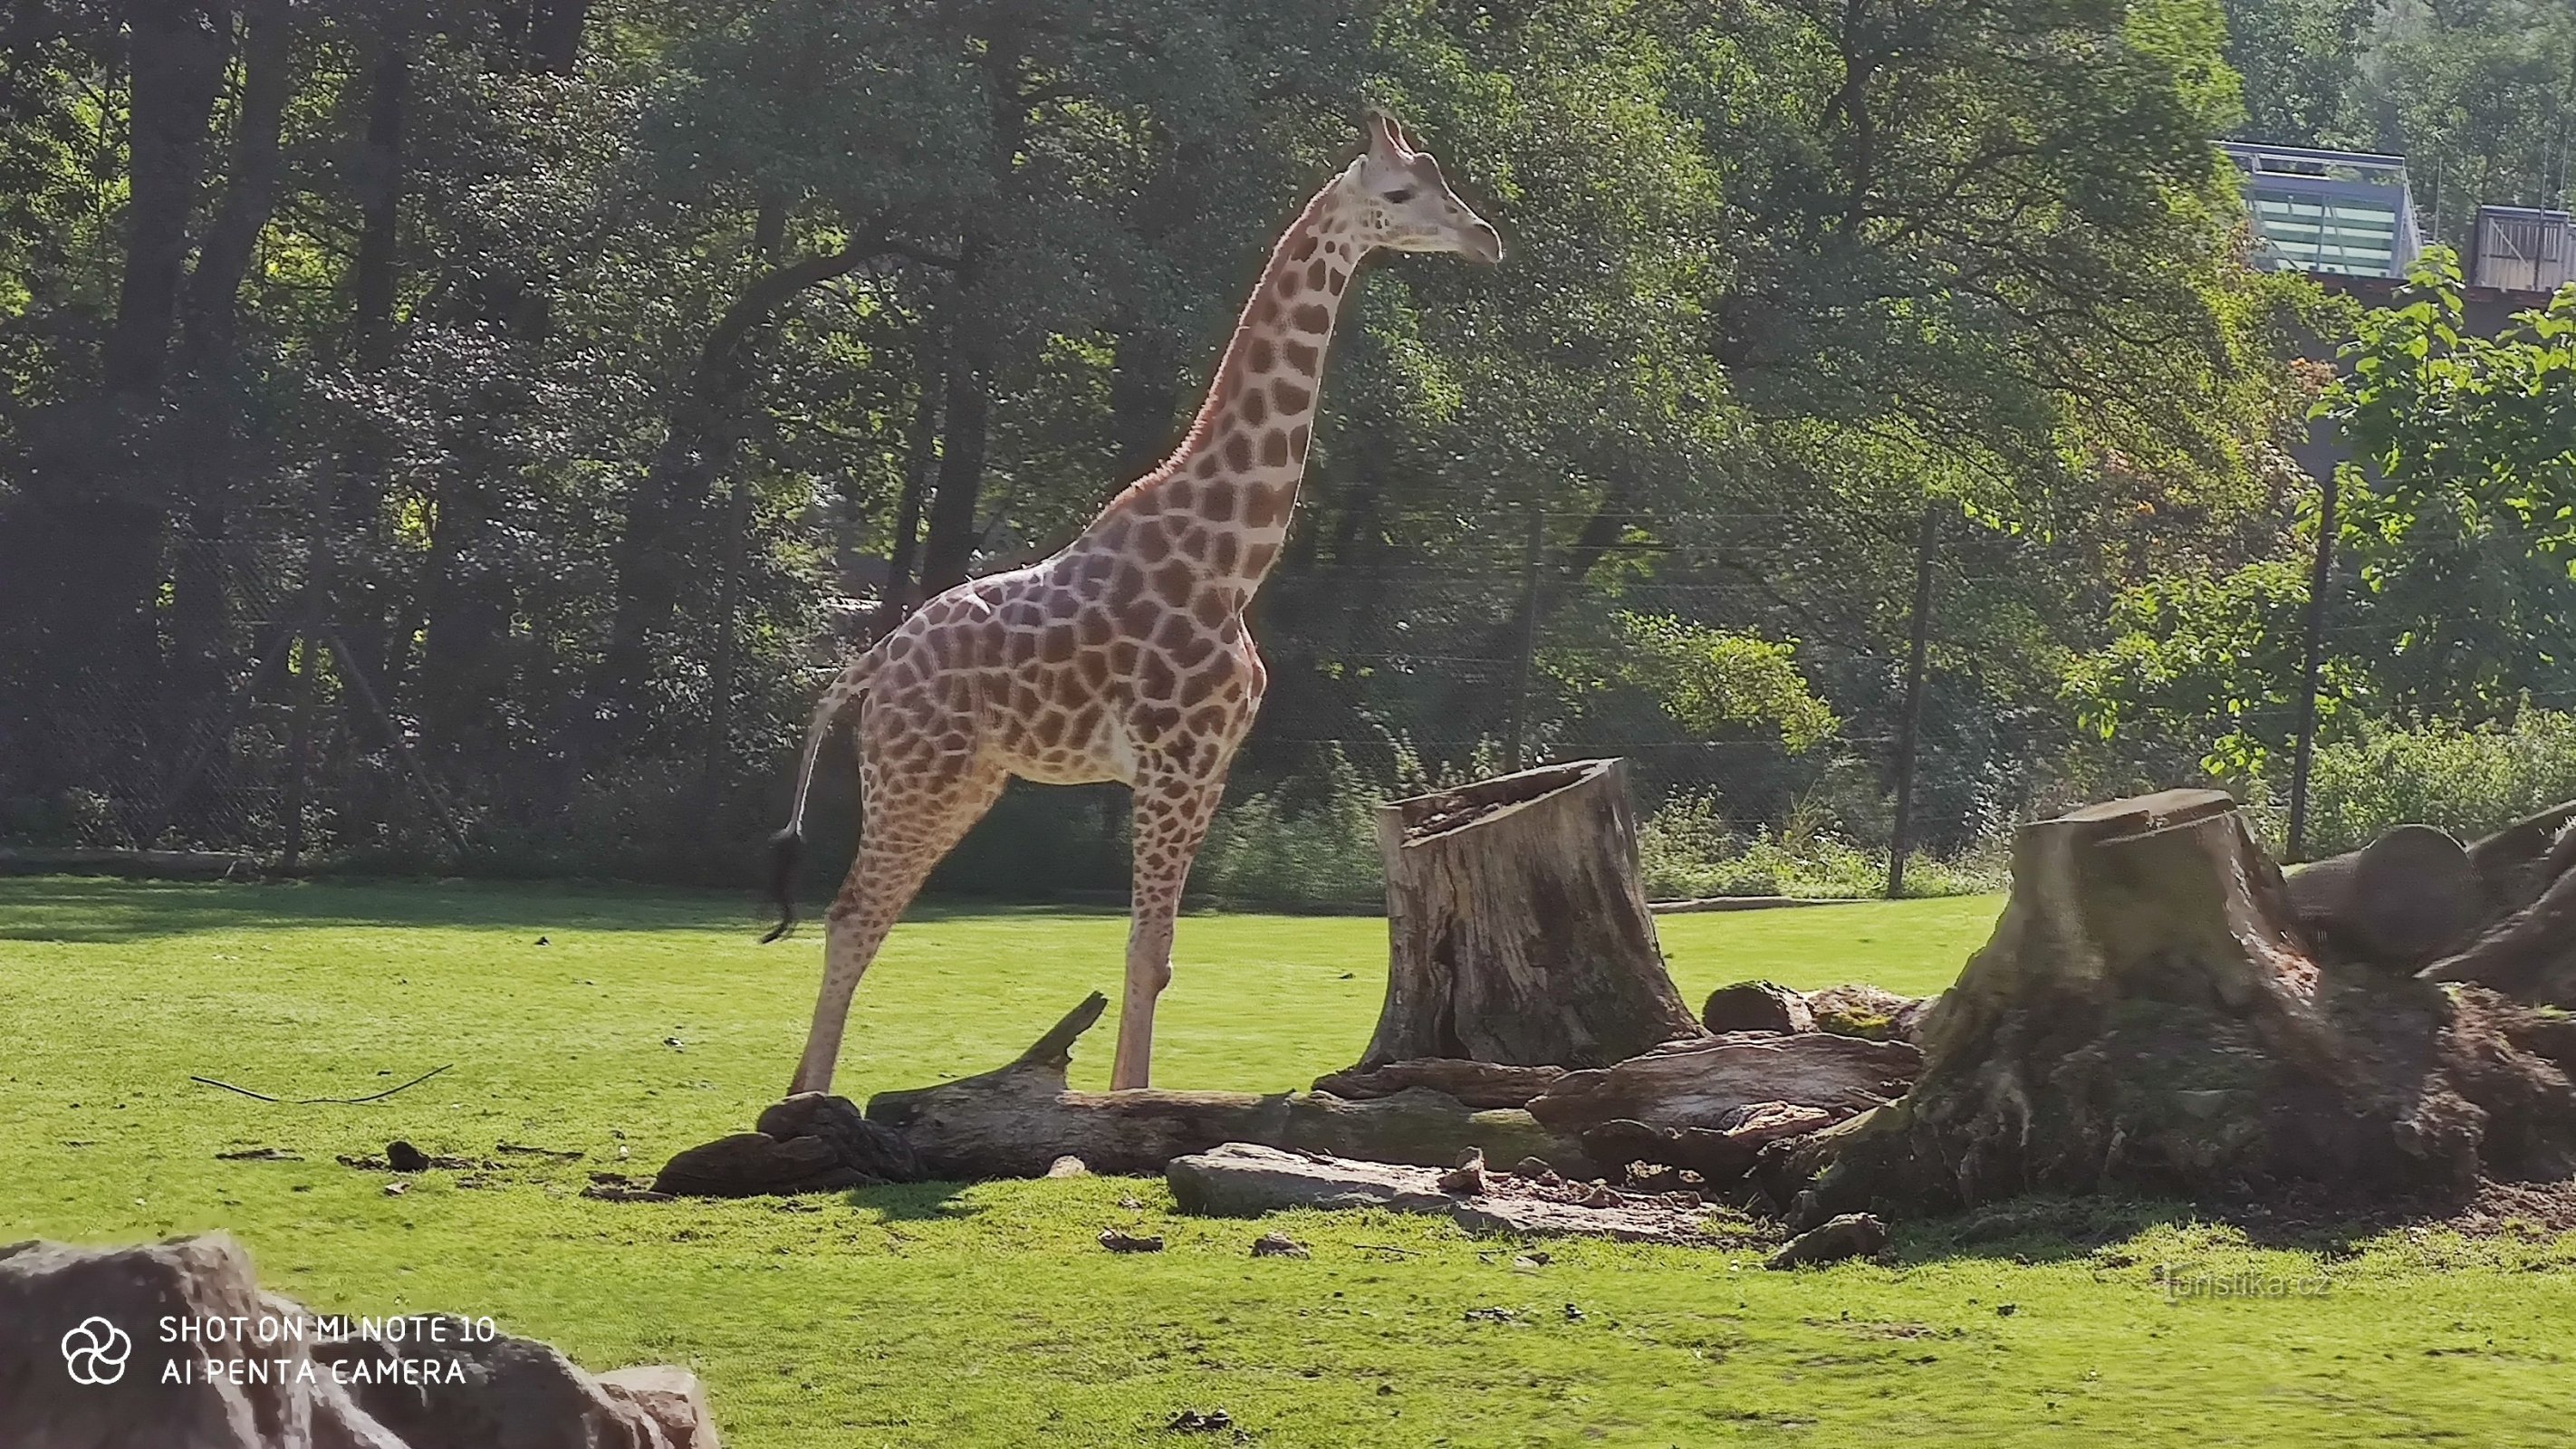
1016 1121
1478 1084
1516 926
1239 1179
2152 1014
1710 1083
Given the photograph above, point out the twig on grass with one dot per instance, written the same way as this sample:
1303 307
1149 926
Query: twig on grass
322 1101
1388 1248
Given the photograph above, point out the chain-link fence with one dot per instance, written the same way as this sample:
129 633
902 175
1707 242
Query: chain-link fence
1784 731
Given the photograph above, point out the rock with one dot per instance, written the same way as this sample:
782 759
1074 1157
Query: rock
1865 1011
1852 1235
1757 1006
1700 1083
1533 1167
1240 1179
670 1397
1278 1245
75 1320
403 1157
1467 1179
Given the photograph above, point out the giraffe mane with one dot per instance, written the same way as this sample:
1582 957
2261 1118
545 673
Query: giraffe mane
1209 410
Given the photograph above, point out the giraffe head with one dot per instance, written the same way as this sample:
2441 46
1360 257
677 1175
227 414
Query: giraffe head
1398 200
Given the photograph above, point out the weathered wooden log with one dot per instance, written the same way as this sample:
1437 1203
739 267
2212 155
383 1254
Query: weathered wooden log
1016 1121
1710 1083
2524 859
1718 1154
1240 1179
809 1143
2395 903
1478 1084
2529 955
1517 929
2149 1014
1757 1006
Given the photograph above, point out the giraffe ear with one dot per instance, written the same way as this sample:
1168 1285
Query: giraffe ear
1385 137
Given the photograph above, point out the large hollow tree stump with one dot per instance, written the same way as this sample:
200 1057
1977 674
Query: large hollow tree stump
2151 1015
1518 932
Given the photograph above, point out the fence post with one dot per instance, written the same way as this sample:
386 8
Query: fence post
1516 722
1900 839
2320 576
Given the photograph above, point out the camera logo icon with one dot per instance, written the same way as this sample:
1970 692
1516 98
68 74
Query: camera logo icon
94 1352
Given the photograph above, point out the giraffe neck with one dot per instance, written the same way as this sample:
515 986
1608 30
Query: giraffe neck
1224 498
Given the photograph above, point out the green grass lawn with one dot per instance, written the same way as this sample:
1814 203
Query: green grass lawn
987 1315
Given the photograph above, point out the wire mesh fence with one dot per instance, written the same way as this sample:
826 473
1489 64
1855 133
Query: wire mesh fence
1757 715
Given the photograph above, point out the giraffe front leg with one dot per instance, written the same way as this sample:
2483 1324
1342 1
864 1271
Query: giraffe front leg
1171 818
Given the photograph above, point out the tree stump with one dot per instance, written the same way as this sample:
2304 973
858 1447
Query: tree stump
2151 1015
1517 930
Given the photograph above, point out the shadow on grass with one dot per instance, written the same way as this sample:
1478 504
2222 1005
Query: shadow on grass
103 910
2056 1229
913 1202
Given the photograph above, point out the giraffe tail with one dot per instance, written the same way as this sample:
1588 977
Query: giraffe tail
838 703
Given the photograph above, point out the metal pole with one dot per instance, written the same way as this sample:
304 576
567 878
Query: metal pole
1900 839
2318 580
1518 720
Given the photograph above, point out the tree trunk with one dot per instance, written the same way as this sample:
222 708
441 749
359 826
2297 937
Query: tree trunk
1017 1121
1144 400
359 595
1517 927
666 504
178 54
950 548
921 446
250 187
2151 1015
554 35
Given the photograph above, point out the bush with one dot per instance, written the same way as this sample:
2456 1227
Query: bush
2466 780
1687 849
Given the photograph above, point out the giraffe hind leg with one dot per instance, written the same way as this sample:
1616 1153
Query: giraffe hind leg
912 818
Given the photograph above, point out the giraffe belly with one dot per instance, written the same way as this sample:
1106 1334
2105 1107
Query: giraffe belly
1079 745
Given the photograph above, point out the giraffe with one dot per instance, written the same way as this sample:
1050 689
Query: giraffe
1124 655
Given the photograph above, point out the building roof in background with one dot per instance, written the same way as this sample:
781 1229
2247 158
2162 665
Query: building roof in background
2339 213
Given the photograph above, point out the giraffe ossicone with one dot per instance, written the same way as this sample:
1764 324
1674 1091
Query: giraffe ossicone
1124 655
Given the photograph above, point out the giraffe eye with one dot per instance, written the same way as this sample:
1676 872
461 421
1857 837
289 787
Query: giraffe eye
1400 195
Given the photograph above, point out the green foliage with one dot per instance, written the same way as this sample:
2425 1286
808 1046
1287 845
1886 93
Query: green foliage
2460 517
2468 780
1687 849
2211 665
1706 681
